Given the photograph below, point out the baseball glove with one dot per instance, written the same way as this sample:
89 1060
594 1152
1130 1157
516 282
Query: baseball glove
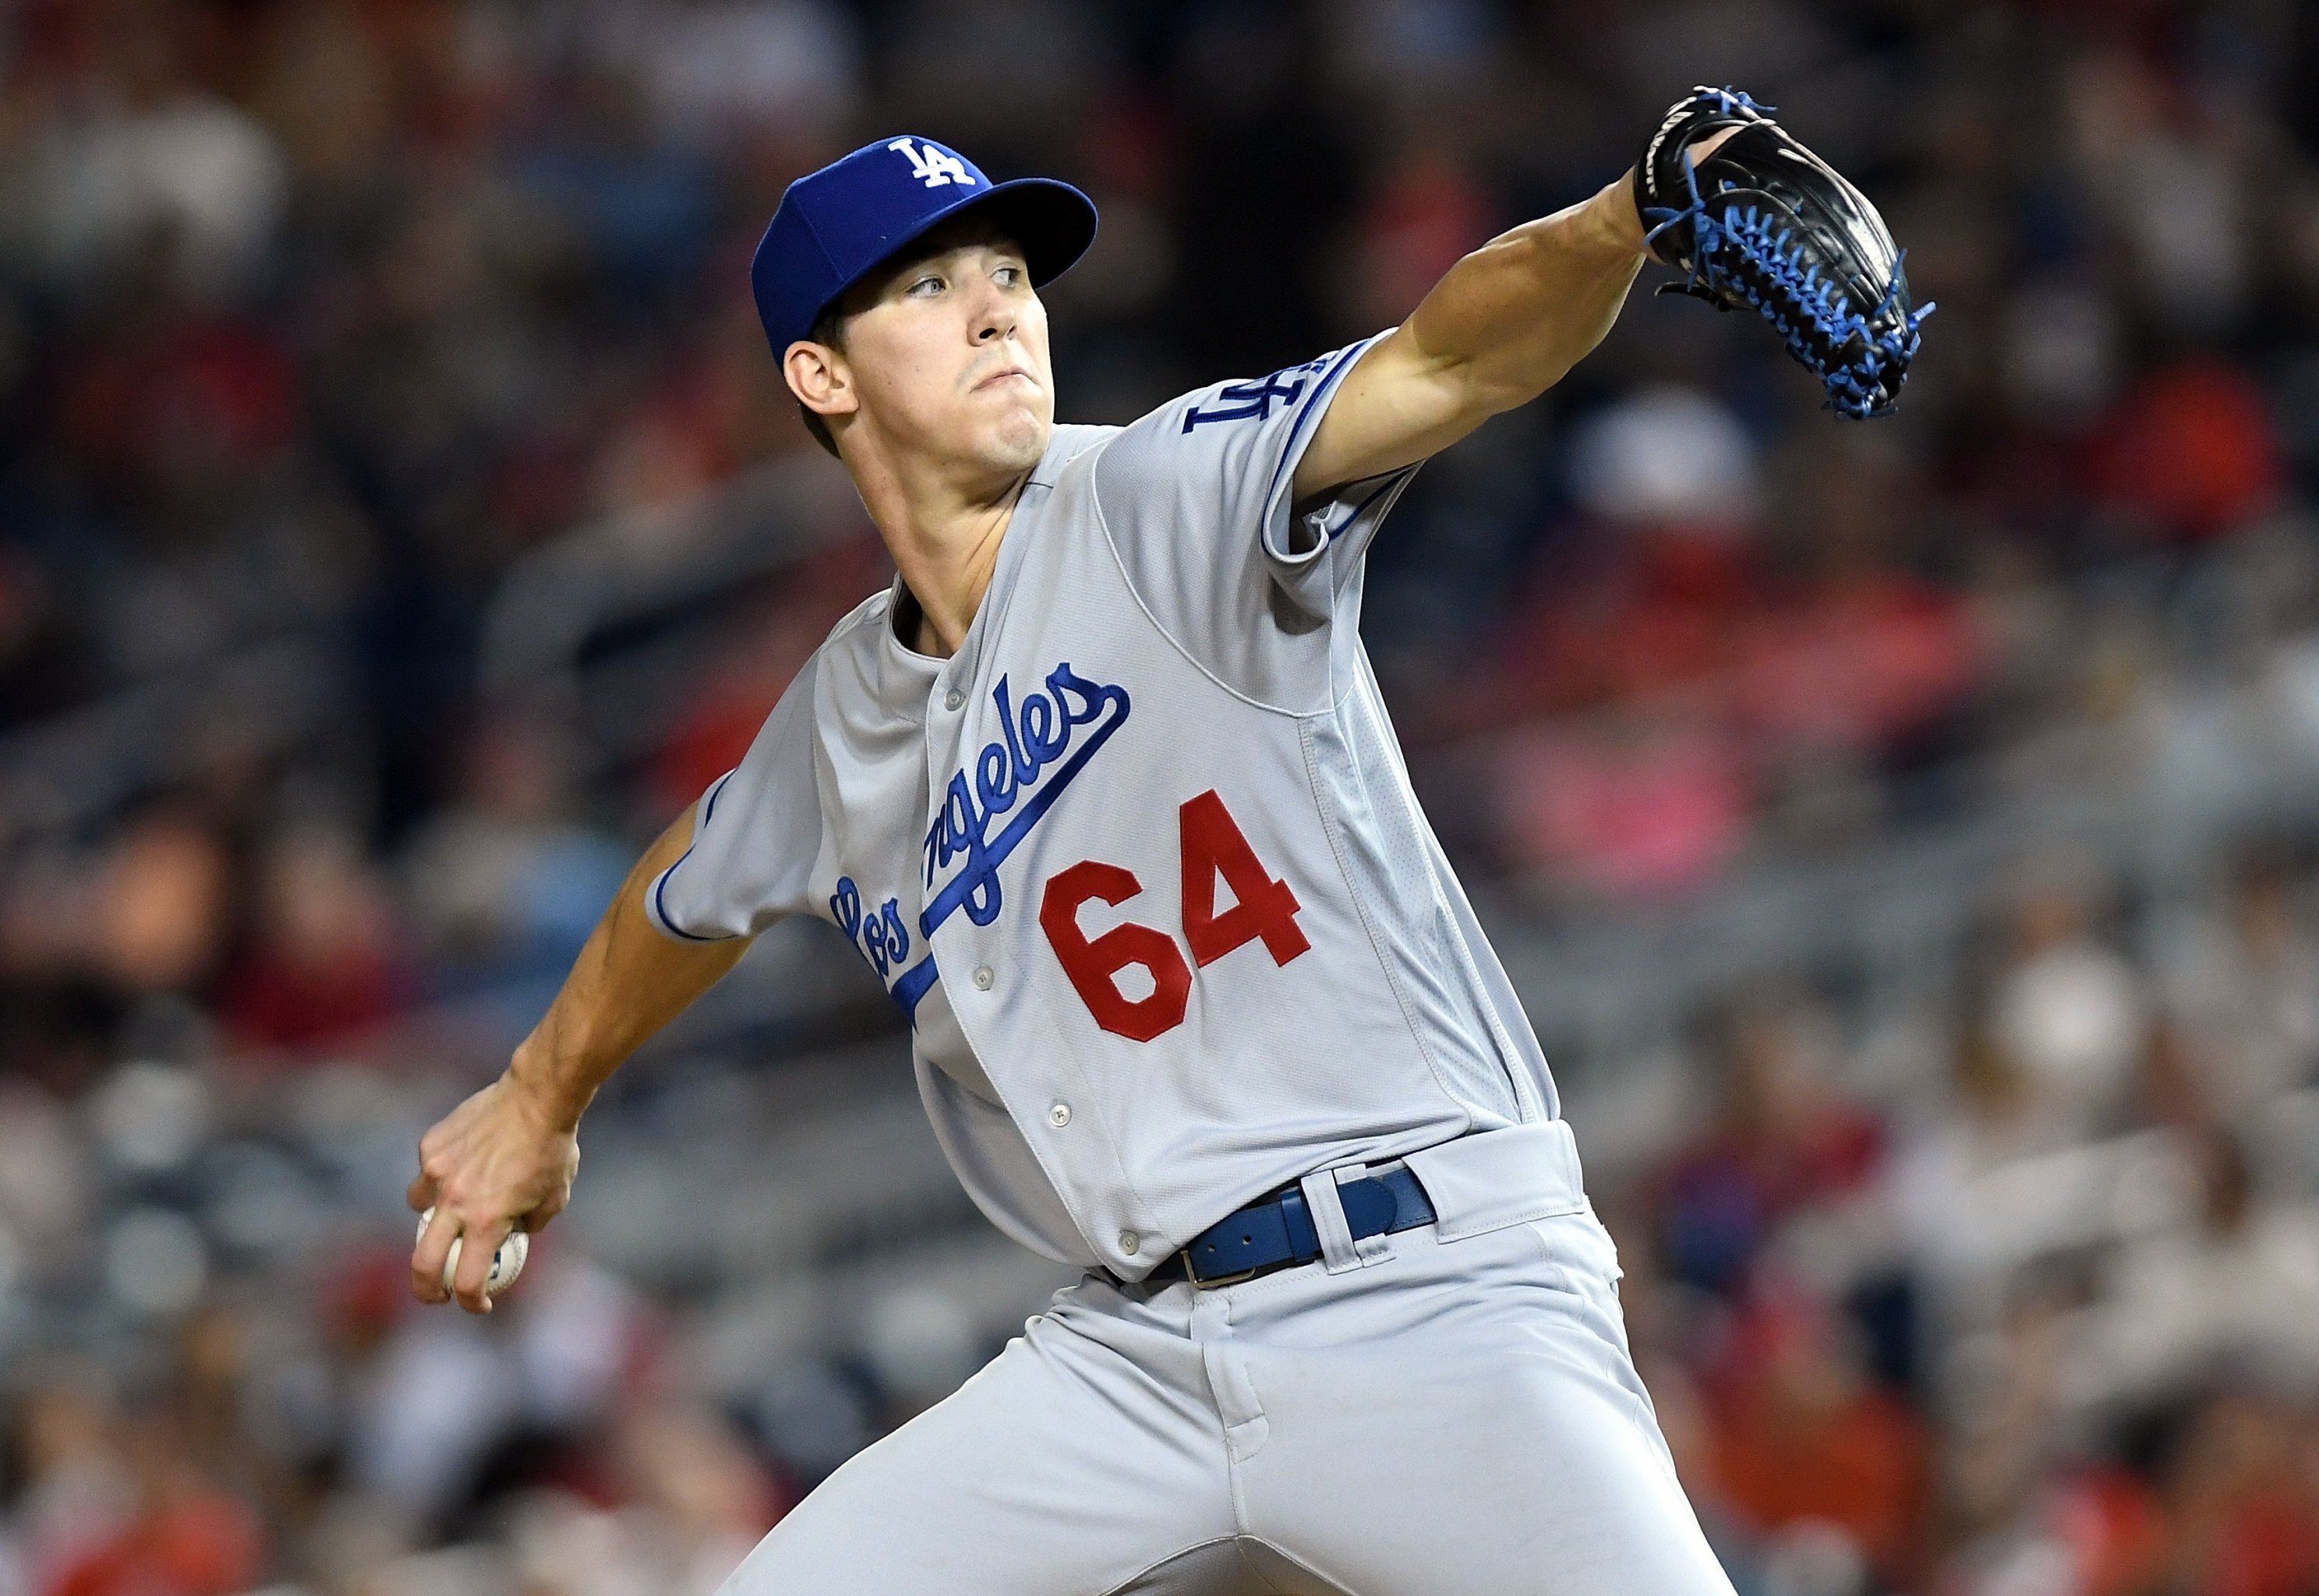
1762 222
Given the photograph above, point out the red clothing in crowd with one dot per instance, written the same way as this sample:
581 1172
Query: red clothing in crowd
1860 1465
2268 1547
276 999
202 1543
2191 449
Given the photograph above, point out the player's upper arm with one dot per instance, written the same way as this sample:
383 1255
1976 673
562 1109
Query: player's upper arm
756 833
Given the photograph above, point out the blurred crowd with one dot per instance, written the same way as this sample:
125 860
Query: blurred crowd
2034 1307
320 318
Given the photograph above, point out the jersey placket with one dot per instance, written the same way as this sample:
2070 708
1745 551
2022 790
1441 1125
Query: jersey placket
955 733
1053 1106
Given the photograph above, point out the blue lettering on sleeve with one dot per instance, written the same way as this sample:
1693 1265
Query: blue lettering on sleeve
1252 401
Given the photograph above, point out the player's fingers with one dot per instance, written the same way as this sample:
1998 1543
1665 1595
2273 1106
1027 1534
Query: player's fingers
1707 146
436 1167
427 1258
479 1245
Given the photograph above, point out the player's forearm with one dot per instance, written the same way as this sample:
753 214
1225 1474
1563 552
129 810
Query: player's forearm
1510 320
629 981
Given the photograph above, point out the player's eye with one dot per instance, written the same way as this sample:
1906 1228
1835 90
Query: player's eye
931 283
1010 276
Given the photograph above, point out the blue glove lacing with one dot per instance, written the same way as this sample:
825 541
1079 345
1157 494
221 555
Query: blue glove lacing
1751 257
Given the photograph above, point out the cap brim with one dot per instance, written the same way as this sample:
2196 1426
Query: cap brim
1051 221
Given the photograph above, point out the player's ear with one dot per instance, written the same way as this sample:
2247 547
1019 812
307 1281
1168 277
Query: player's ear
818 374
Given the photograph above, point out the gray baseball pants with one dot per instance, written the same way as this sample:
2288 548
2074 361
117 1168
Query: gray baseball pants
1446 1411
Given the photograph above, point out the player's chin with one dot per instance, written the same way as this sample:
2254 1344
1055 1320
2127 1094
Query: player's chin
1018 437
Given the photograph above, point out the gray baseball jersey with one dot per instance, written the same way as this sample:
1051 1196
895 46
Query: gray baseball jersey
1142 861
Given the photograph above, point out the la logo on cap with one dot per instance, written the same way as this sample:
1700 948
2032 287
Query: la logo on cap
932 167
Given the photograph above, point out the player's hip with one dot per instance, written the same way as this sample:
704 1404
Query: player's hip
1512 1235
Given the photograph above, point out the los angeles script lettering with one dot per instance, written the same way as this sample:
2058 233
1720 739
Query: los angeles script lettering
882 937
1041 750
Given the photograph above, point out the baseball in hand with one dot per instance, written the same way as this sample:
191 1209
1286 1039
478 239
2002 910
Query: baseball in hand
506 1264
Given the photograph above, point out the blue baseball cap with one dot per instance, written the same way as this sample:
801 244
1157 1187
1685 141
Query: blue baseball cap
835 226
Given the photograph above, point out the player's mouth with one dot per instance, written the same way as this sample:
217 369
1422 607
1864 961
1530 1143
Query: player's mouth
1008 374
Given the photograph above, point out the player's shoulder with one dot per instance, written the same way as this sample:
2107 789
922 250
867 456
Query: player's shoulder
854 678
855 639
1221 418
858 627
1071 443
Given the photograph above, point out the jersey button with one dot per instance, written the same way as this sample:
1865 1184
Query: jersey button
1060 1115
983 978
1130 1242
953 700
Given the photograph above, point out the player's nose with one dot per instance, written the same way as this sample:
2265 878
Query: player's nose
996 316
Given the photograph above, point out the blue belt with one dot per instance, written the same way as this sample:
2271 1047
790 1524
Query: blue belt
1277 1232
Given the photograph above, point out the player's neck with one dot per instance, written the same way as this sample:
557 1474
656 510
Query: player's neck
943 529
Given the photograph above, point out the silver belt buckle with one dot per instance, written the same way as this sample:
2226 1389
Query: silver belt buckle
1201 1283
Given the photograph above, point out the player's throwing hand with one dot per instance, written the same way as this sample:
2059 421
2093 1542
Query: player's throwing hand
502 1160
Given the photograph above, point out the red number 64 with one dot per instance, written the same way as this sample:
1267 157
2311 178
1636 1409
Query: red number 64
1212 846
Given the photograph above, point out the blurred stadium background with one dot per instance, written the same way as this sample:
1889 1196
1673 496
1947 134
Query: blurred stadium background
1903 835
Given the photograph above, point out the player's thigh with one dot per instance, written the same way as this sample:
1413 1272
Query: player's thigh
1501 1447
1068 1466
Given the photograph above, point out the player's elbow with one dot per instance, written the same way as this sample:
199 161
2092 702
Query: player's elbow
1495 394
1465 386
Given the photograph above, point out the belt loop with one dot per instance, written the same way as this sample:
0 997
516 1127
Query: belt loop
1337 1246
1368 1249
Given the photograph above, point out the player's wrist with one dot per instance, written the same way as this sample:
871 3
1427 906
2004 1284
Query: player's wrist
1616 217
550 1088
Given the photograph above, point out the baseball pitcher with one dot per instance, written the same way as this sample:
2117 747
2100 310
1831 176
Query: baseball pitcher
1103 790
